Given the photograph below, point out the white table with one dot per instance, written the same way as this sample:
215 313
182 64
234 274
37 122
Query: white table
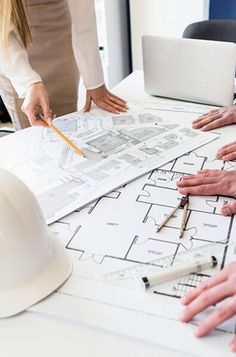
30 334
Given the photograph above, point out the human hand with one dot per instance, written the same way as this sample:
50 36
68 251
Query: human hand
36 101
105 100
215 119
214 290
211 182
227 152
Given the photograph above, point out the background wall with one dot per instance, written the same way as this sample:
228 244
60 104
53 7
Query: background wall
164 18
114 39
114 42
117 56
222 9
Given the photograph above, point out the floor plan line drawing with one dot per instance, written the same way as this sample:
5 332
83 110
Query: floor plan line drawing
154 199
163 105
119 231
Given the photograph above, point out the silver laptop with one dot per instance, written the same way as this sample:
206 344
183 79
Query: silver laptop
193 70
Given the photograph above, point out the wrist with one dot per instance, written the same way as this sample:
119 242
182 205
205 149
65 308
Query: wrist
99 86
36 84
33 86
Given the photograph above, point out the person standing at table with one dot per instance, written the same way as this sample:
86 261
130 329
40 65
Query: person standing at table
44 47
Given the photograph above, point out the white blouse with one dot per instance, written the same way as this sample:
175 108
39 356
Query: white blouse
18 70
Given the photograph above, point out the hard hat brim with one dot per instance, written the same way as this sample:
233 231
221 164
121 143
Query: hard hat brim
48 279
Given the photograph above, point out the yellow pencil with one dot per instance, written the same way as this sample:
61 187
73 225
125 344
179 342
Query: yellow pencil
57 131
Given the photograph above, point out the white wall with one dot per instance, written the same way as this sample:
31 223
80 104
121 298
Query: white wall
163 18
113 30
113 34
117 46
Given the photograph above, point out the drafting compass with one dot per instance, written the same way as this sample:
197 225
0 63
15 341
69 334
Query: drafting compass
183 204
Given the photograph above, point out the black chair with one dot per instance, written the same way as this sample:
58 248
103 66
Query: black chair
4 118
216 30
4 115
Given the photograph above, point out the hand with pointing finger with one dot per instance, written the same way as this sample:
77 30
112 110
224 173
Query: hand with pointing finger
214 290
215 119
105 100
211 182
37 101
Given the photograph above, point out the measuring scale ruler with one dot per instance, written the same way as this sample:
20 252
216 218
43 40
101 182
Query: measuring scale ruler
157 266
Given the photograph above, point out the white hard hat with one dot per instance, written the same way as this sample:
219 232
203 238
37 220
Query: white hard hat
32 263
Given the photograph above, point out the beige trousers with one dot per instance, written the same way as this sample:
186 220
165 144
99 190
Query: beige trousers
51 55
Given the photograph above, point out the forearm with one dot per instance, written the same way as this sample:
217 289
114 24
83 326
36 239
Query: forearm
16 67
85 42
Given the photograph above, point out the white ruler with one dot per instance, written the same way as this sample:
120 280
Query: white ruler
136 271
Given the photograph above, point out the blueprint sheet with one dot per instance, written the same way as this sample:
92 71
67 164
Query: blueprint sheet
118 149
118 231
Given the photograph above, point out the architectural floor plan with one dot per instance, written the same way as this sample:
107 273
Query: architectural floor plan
117 150
119 230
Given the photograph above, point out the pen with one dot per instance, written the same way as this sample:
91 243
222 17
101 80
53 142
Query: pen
63 137
179 270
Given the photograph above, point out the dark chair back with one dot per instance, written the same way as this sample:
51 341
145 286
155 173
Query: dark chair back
4 115
216 30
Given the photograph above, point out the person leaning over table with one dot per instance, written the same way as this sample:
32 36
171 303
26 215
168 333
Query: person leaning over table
44 46
223 284
216 119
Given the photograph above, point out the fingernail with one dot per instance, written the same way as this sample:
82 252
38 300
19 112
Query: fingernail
233 347
183 317
183 300
197 332
226 211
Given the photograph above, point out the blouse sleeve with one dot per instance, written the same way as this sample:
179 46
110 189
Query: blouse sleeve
16 67
85 42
